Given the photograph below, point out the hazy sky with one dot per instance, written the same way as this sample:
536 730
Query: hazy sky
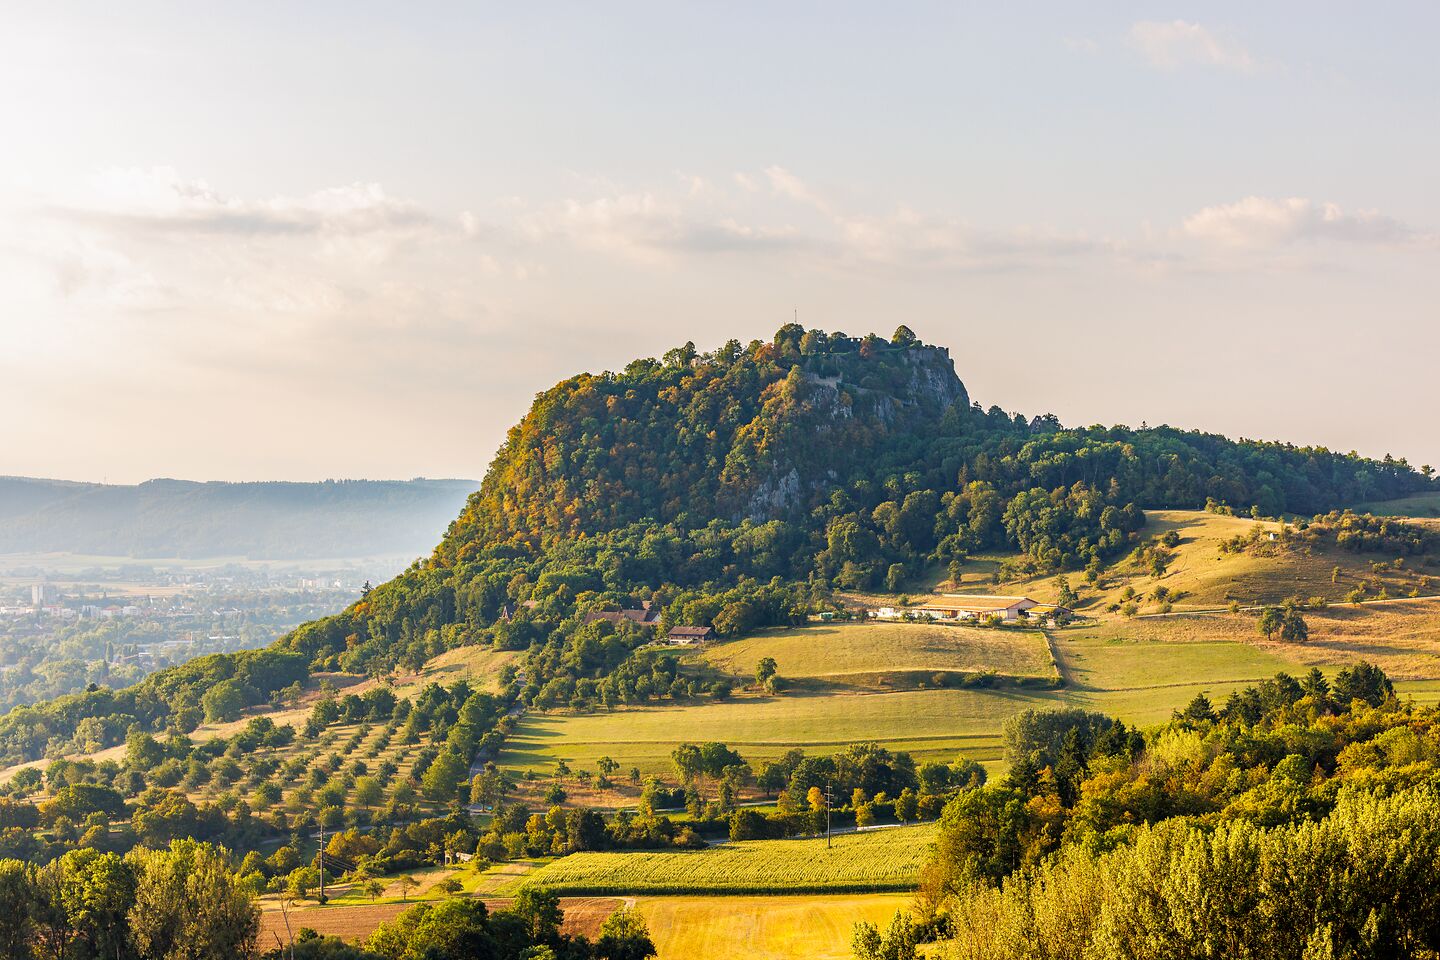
254 240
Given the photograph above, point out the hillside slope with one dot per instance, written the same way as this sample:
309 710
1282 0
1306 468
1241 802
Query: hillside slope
740 488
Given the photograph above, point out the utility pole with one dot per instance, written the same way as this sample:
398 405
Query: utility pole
829 802
322 861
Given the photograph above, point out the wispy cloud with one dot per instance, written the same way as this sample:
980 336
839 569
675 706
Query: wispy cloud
161 199
1263 221
795 220
151 243
1170 45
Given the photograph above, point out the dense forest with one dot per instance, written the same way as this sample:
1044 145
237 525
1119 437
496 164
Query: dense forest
180 518
736 488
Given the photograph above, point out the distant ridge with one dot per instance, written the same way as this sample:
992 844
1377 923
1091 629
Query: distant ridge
271 520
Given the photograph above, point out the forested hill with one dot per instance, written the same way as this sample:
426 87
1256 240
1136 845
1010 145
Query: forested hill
178 518
745 482
734 489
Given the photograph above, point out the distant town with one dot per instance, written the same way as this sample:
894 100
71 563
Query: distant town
64 626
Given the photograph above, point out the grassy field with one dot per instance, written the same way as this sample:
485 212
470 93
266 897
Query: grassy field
858 862
1422 505
763 928
930 722
1139 670
478 664
1401 636
1198 571
874 653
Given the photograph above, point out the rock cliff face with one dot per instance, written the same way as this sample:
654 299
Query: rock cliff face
836 400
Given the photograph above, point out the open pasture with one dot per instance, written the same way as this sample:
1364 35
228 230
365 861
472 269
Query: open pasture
876 860
864 653
1201 574
480 665
1420 506
1401 636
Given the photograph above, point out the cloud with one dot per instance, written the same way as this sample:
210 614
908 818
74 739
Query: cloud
160 199
139 245
1178 43
910 241
786 184
795 221
647 226
1265 222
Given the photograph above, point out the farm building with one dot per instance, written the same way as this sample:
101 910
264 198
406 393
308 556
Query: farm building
971 607
646 616
963 607
684 636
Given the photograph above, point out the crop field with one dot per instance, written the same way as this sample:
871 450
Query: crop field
858 862
939 723
861 652
763 928
815 926
1138 670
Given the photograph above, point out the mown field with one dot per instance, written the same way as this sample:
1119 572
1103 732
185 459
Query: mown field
1140 681
869 653
878 860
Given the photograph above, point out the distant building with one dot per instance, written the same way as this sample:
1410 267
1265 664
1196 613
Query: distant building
685 636
963 607
647 615
972 607
43 594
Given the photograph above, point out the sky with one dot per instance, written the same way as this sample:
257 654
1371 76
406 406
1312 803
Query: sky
299 241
